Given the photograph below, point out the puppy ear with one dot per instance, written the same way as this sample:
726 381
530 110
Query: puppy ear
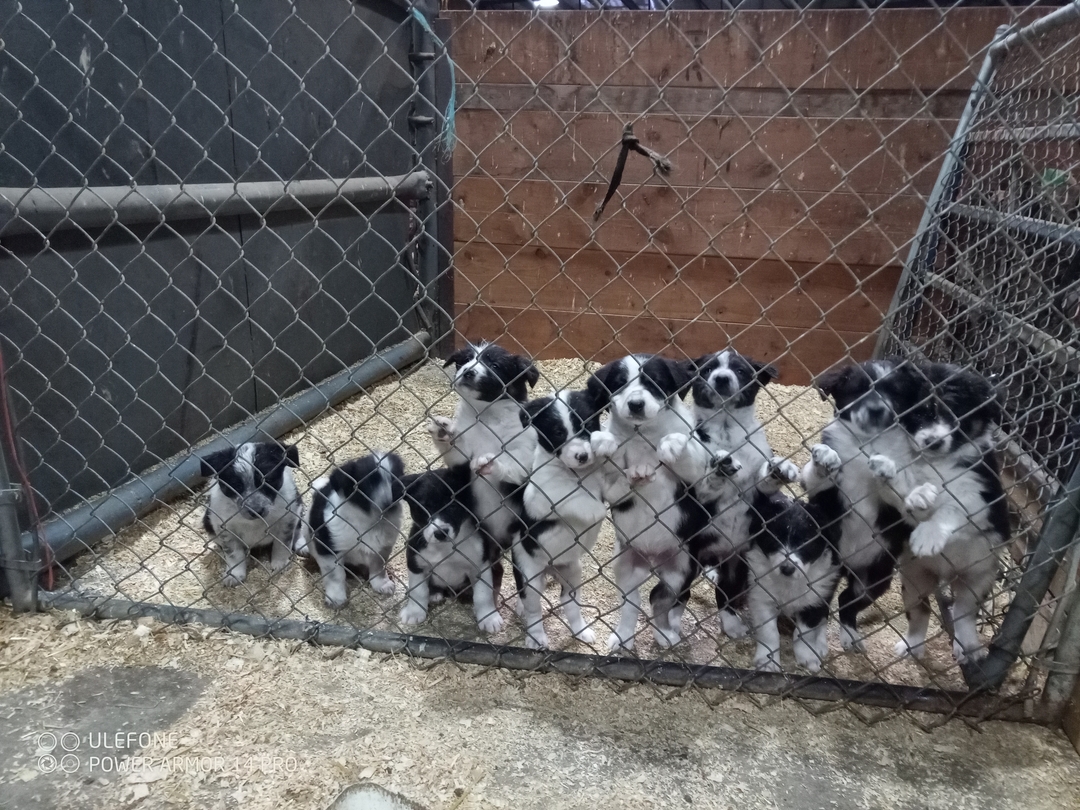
292 456
764 372
597 387
408 484
682 375
533 408
828 383
214 463
460 357
397 487
532 373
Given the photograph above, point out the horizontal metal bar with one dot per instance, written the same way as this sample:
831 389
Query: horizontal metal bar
1040 342
666 673
41 210
1017 222
1049 132
1040 26
77 530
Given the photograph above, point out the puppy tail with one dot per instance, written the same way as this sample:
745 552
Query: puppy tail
392 470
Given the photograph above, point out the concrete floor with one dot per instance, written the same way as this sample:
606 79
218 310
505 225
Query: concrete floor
281 725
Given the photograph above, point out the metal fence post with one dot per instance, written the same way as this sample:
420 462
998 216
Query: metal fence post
20 571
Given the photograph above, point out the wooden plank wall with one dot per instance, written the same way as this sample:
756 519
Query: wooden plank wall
804 147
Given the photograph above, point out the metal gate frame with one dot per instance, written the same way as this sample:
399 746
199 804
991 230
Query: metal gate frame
1061 517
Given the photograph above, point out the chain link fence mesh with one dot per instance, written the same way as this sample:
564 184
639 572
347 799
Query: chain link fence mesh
773 172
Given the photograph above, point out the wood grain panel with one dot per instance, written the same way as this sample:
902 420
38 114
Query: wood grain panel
811 227
817 154
798 354
817 50
763 102
705 288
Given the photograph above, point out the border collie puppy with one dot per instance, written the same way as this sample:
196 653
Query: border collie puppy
726 460
563 508
950 483
355 519
650 506
878 404
794 570
253 502
447 553
488 434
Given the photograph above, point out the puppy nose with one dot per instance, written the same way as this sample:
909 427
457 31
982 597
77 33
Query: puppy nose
582 457
636 405
936 444
787 569
439 535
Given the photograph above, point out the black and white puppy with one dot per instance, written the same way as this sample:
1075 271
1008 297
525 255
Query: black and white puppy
563 508
448 553
794 570
253 502
650 505
878 404
950 484
355 519
489 434
728 462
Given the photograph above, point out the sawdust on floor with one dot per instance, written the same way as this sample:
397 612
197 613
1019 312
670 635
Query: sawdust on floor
164 557
292 724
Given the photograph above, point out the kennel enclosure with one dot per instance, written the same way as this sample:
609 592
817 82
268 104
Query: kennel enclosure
837 189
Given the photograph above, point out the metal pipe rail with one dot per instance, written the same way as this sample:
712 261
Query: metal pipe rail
42 210
633 670
77 530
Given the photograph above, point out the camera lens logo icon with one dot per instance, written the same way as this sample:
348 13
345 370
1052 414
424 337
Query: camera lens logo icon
70 741
47 763
69 763
46 742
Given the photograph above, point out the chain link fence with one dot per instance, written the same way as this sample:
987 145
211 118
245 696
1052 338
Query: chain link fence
276 222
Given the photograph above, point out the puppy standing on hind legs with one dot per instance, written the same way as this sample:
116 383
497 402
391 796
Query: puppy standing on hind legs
563 508
727 462
253 502
949 482
649 504
877 403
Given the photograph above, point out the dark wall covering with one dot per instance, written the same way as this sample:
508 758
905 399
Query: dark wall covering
124 345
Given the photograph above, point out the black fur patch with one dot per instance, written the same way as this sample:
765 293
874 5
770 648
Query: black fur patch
901 390
442 493
507 376
556 422
780 524
966 400
268 460
358 481
663 378
739 389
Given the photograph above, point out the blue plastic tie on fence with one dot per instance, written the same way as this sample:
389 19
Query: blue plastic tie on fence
449 132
